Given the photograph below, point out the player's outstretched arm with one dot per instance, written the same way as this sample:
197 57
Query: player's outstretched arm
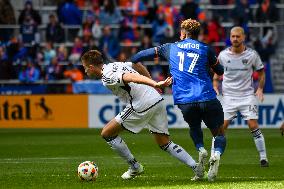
140 79
141 69
261 79
143 55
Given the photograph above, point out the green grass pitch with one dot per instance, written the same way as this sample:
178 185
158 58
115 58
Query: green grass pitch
48 158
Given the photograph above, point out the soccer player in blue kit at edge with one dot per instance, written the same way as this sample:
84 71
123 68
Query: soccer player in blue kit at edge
190 62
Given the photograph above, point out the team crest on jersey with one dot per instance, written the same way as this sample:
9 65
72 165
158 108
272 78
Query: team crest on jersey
245 61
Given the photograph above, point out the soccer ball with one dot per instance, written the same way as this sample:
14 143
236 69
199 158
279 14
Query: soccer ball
88 170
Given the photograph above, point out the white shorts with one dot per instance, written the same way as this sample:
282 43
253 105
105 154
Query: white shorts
154 118
247 106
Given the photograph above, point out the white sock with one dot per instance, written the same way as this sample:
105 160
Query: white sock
259 143
212 147
179 153
118 145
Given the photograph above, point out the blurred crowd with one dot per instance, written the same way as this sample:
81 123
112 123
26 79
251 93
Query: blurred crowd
118 28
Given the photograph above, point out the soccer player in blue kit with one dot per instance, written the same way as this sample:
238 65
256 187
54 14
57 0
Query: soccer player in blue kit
190 62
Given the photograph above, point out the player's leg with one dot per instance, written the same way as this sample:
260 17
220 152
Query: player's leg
249 110
191 114
225 126
110 134
158 125
213 118
259 141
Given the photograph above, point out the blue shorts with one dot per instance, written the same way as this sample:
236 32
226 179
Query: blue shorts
210 112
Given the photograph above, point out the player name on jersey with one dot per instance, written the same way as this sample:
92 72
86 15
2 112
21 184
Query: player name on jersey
188 45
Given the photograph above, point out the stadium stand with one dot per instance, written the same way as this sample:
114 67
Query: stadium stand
51 35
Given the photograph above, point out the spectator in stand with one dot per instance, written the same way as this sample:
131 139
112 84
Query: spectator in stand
172 16
86 30
126 32
242 13
29 11
190 9
28 31
7 70
69 14
110 14
16 52
109 44
159 28
54 31
74 74
146 43
222 13
76 51
267 12
7 17
216 33
54 70
138 12
29 73
62 53
48 53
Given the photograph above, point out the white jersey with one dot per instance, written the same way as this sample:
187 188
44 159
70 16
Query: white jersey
238 70
140 97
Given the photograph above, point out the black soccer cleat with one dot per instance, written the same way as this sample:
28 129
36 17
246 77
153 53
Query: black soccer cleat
264 163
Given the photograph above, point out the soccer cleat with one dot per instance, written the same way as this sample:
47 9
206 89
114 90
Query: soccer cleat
198 171
264 163
131 173
202 157
214 165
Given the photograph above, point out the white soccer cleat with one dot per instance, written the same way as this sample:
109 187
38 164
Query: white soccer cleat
214 165
203 154
198 171
131 173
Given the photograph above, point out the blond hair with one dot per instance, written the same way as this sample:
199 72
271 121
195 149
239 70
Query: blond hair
238 29
191 27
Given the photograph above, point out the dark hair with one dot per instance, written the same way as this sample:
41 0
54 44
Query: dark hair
93 57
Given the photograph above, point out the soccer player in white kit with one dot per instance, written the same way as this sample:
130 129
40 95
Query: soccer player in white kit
238 93
132 83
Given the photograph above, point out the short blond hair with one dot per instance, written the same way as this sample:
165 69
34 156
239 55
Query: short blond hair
191 27
238 29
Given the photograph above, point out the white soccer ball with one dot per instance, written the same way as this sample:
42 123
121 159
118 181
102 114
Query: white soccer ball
88 171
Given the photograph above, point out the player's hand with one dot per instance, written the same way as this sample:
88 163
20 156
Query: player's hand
167 82
216 90
259 94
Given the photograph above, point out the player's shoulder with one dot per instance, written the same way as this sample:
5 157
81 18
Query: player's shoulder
225 52
251 51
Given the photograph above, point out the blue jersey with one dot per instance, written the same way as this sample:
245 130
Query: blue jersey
190 61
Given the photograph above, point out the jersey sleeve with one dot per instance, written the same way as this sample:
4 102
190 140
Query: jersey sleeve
257 63
111 78
212 59
151 53
214 63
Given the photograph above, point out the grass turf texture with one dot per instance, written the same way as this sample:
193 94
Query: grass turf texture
48 158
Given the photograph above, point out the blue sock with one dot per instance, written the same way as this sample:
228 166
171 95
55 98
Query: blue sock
220 144
197 136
